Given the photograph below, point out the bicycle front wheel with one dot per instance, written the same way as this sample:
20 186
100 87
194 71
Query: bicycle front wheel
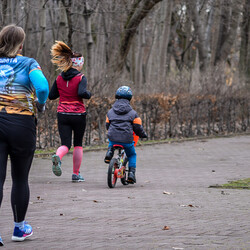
124 179
112 175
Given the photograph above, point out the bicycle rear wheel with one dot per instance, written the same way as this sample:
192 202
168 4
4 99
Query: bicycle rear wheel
112 178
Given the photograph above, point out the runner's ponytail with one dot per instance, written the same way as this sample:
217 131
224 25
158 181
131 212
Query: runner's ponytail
61 56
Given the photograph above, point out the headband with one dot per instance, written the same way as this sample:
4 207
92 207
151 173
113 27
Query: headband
77 61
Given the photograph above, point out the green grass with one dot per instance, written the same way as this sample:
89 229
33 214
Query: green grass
239 184
244 183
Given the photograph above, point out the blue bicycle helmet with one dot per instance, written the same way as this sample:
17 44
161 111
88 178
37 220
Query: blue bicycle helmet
124 92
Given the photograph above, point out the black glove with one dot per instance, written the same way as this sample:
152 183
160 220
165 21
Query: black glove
40 107
144 135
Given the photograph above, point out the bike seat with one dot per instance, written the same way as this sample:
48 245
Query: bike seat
117 146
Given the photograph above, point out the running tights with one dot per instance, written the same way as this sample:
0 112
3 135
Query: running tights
17 140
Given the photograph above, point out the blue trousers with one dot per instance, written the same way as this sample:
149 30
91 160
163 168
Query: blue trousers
129 150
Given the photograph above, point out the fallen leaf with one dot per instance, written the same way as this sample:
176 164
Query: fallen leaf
189 205
165 228
165 192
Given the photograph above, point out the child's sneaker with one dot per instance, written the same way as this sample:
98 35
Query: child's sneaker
77 178
131 176
1 242
56 168
109 155
22 234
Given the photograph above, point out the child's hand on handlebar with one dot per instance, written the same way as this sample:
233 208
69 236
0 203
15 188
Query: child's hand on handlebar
144 135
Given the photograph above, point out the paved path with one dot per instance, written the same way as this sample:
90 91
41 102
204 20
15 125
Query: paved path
89 215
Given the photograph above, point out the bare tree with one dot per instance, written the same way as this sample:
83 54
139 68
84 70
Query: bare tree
87 11
68 7
165 39
138 12
244 61
42 27
4 12
230 12
200 33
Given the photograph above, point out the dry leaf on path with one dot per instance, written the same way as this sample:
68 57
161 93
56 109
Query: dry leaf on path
165 192
189 205
165 228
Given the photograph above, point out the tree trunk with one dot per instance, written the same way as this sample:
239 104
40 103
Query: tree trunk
199 31
69 21
63 23
4 13
89 39
42 27
165 40
106 37
244 62
208 33
137 14
26 26
228 29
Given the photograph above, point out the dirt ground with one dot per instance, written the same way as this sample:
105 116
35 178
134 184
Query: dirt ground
172 192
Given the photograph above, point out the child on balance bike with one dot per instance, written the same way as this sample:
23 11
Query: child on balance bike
121 122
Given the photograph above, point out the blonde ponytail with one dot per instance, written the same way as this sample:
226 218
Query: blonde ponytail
61 56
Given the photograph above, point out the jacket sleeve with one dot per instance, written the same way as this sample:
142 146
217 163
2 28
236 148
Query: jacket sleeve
40 84
54 93
82 89
107 123
137 127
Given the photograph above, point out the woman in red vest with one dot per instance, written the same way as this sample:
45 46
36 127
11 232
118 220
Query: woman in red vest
71 87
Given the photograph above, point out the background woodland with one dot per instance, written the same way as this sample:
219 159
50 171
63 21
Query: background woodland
187 61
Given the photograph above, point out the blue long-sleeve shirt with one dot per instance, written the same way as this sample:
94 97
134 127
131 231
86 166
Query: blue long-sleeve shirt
21 82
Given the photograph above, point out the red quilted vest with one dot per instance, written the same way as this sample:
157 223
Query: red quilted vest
69 101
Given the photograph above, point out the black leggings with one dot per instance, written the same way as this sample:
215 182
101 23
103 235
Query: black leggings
68 123
18 140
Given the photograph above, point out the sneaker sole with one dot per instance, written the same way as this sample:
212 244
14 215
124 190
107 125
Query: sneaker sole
56 168
78 180
15 238
131 181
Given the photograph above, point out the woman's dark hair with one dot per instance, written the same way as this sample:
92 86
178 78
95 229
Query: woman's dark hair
11 39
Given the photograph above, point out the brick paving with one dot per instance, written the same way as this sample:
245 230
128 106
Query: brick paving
172 191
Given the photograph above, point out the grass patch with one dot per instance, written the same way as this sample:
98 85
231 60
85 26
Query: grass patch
239 184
